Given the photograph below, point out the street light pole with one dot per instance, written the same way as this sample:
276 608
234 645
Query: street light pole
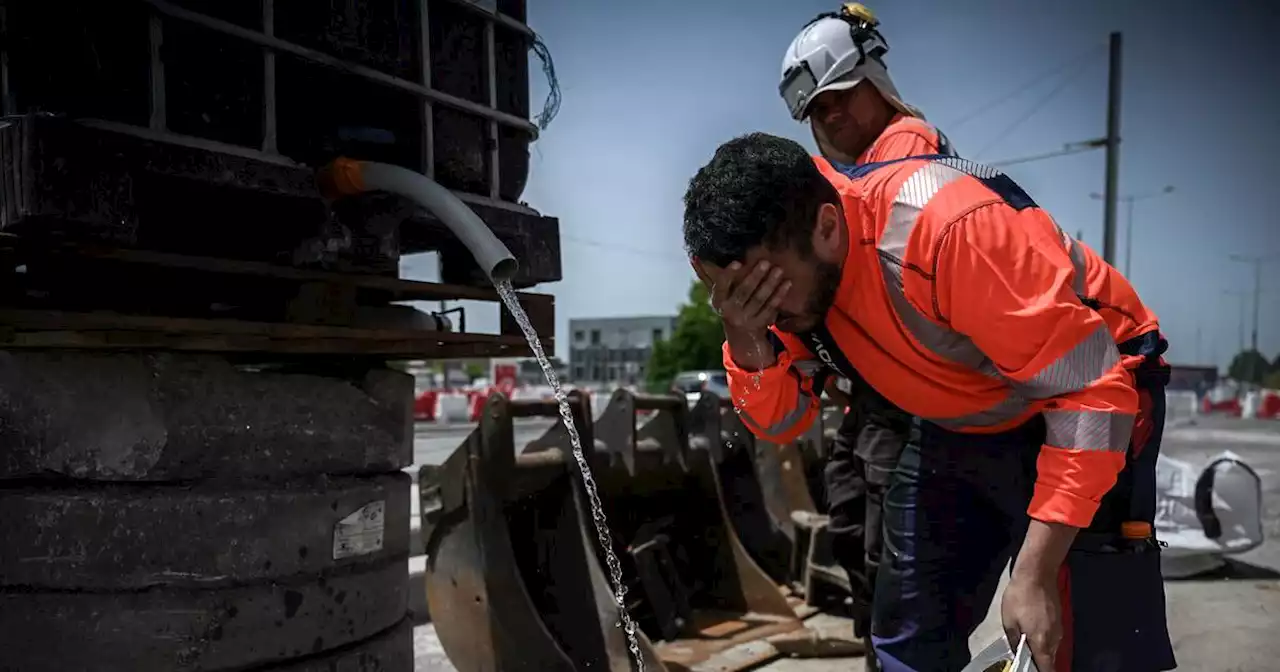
1244 298
1257 261
1129 200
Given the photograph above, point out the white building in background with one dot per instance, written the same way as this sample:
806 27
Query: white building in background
611 351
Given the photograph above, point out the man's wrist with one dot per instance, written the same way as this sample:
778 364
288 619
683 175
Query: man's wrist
1043 551
751 350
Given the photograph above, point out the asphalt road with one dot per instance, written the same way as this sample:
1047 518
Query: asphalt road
1224 622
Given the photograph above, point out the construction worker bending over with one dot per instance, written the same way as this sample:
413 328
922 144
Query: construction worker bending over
834 76
1023 356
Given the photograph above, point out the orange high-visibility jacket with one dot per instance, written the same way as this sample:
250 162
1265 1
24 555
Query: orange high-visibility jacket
964 303
906 136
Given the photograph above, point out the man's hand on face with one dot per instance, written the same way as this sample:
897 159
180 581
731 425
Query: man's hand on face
747 298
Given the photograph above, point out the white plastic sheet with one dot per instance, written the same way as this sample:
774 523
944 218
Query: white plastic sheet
452 408
1235 500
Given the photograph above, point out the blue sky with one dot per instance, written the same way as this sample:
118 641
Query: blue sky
650 89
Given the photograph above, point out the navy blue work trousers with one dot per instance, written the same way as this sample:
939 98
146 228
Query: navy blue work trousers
955 513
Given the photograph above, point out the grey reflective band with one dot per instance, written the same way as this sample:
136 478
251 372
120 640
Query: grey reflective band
1088 361
1078 264
1088 430
803 401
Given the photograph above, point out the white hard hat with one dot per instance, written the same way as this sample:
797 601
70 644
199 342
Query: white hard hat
832 53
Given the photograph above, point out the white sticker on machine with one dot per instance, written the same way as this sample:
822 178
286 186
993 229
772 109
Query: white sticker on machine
361 532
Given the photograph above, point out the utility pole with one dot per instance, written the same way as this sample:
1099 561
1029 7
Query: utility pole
1113 153
1257 261
1128 239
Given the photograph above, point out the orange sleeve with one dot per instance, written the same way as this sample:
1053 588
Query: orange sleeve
1007 280
779 403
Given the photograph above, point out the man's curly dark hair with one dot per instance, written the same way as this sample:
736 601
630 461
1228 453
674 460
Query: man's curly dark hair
758 189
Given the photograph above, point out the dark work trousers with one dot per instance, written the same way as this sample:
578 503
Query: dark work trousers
955 513
867 446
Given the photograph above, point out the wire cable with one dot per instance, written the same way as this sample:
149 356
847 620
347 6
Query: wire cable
617 247
1067 151
1067 81
551 106
1029 84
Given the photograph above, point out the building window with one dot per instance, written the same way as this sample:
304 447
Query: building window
657 335
595 337
579 336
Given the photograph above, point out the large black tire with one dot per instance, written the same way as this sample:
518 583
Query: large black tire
390 651
205 536
206 630
181 513
176 417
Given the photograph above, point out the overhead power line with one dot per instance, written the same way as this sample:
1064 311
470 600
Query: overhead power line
1067 150
618 247
1036 107
1040 78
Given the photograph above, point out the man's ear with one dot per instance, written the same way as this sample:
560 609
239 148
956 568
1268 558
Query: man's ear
828 232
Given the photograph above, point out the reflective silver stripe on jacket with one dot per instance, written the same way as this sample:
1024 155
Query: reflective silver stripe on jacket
1075 370
1088 430
805 367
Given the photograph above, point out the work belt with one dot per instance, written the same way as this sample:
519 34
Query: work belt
1114 542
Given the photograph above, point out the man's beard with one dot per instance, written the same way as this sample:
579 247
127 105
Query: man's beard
826 282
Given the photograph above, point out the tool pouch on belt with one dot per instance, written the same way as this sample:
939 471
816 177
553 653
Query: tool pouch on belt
1114 585
1114 578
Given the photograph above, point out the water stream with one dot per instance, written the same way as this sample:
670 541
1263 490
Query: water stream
588 481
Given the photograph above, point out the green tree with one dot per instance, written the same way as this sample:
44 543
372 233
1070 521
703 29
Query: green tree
694 344
1249 366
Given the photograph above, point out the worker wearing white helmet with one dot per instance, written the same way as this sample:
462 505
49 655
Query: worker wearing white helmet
833 76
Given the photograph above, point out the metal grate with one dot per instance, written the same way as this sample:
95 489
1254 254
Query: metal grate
271 45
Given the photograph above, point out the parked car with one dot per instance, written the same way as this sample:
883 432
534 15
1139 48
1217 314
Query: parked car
693 383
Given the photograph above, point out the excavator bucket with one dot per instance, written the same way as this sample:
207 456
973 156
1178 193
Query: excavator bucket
512 580
763 483
695 590
822 578
816 446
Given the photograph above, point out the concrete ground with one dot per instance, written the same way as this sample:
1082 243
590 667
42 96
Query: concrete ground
1228 621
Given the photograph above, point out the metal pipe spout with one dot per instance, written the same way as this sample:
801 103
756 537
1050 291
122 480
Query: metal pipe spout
345 177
